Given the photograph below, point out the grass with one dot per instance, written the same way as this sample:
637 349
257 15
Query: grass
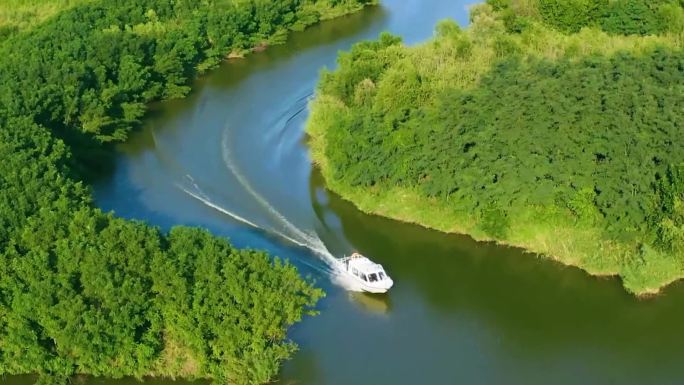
328 11
176 361
22 14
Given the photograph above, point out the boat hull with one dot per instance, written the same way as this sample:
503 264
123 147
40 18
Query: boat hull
375 290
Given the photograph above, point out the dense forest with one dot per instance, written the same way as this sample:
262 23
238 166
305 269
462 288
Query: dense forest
84 292
553 125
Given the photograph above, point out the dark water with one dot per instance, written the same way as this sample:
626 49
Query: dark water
461 312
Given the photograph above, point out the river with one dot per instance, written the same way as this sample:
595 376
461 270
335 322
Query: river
232 158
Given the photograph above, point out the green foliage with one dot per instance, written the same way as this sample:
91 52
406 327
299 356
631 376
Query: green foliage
473 143
500 5
618 17
583 205
584 128
116 56
572 15
494 221
629 17
447 29
668 220
366 60
83 292
625 17
246 341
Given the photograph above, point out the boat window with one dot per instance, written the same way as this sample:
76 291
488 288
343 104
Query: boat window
382 276
363 276
356 272
372 278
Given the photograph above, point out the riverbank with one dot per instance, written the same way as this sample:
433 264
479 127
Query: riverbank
570 245
491 132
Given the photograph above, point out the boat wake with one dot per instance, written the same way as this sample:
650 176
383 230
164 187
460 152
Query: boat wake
199 195
309 240
202 197
244 203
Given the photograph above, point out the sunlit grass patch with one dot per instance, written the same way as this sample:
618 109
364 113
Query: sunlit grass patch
23 14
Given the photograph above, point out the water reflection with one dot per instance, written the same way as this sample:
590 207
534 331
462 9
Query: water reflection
535 310
372 303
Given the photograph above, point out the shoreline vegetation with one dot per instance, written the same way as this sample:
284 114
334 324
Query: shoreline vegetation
81 291
549 125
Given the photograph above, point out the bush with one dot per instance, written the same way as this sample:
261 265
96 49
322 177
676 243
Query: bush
619 17
572 15
629 17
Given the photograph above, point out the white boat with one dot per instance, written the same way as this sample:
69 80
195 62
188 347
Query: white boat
362 274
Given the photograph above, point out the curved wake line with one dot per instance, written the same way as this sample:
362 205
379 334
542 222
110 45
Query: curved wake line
290 119
217 207
305 239
199 195
209 203
292 116
306 97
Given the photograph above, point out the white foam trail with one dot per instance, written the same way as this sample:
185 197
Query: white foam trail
200 196
216 207
305 239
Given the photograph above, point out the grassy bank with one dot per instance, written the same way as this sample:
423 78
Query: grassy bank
18 15
543 126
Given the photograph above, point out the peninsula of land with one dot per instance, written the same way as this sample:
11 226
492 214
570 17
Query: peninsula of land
551 125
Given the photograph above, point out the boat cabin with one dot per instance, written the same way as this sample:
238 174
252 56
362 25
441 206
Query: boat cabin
364 269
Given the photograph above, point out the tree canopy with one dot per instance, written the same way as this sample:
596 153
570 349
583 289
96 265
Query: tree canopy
92 68
542 118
